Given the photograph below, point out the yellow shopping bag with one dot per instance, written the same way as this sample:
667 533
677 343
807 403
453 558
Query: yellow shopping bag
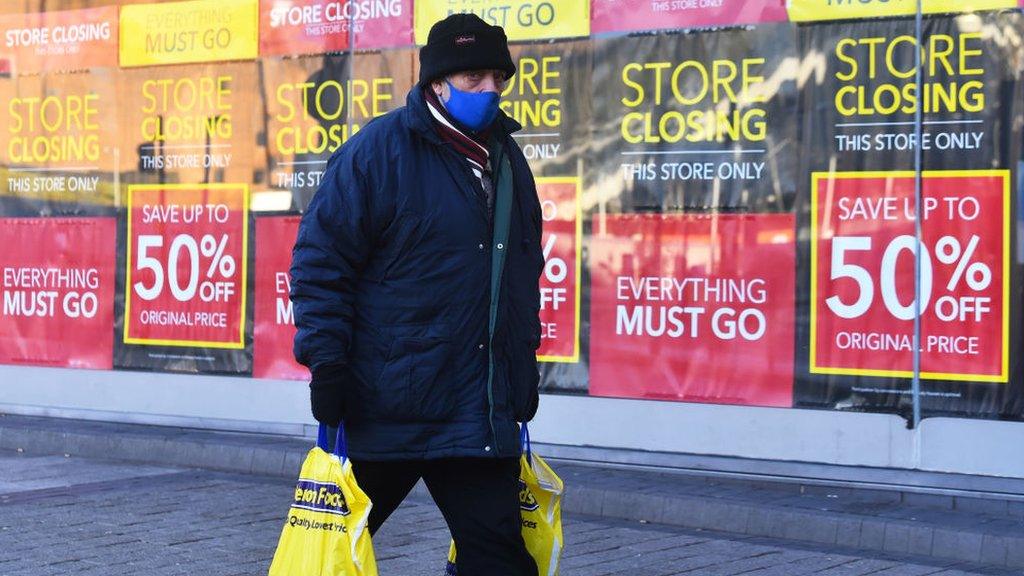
540 505
326 533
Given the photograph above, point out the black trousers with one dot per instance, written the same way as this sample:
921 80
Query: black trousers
478 497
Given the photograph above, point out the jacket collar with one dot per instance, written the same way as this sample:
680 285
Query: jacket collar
418 119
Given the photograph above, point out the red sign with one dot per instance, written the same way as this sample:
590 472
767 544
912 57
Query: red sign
693 308
58 291
273 317
633 15
320 26
862 279
559 285
187 248
68 40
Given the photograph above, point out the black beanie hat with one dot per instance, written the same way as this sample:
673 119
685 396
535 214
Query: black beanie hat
464 42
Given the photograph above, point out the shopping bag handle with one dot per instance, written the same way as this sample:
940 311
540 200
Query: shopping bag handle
524 440
340 446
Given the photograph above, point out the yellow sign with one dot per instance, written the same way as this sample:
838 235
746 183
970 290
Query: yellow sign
521 19
810 10
185 32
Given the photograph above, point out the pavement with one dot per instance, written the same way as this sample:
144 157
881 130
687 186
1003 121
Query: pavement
83 516
66 508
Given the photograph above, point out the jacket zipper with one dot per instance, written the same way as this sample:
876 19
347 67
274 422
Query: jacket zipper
492 320
490 330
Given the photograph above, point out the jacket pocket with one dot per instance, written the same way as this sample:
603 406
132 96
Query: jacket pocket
411 386
524 378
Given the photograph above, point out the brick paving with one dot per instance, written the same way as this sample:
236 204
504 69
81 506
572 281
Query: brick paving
979 522
79 516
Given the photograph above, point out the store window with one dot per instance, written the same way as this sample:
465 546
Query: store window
800 204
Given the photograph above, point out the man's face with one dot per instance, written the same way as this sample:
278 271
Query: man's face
471 81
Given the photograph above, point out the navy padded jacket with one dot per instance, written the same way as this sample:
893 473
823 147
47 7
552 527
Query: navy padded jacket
391 275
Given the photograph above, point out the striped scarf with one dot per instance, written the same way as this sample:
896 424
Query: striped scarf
473 149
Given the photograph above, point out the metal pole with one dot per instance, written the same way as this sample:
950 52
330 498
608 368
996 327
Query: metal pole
916 381
351 67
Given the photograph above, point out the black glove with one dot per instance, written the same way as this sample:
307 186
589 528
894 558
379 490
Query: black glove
325 395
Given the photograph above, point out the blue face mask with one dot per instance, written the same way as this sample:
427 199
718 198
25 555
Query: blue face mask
474 110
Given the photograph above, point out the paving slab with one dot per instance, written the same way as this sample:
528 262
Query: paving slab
59 464
115 518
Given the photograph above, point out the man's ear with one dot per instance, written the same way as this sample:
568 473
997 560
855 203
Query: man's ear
438 87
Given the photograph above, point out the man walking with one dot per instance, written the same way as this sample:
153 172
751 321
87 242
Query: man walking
415 288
